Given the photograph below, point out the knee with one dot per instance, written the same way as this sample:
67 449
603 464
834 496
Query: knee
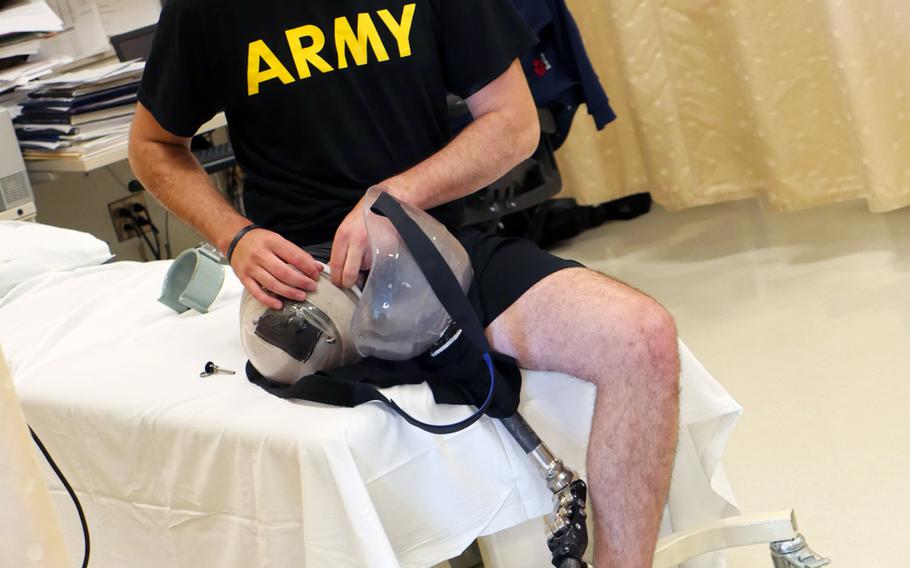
653 344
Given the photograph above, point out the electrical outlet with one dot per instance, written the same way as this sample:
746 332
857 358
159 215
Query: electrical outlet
119 222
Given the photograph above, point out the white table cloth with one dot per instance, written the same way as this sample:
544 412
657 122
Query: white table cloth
175 470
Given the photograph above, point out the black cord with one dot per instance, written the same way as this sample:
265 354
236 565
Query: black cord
138 229
157 240
167 233
129 227
69 489
148 217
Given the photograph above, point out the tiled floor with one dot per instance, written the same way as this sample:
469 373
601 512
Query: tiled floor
805 318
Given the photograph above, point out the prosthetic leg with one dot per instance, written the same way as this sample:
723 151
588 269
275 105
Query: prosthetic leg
567 536
567 527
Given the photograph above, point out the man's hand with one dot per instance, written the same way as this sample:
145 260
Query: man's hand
266 262
350 248
263 260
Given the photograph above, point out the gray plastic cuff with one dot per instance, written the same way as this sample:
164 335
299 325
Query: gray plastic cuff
193 281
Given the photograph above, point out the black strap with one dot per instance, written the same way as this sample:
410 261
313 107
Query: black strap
347 386
435 269
448 290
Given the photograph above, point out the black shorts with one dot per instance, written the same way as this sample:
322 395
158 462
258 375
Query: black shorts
504 269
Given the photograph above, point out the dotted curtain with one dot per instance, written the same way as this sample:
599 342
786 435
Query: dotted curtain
800 102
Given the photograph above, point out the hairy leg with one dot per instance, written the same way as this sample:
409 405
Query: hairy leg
585 324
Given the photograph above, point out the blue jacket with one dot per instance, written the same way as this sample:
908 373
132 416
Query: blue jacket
558 69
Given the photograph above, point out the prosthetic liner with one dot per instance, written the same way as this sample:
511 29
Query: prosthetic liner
399 316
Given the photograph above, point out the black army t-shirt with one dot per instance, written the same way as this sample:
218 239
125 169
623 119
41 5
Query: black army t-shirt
325 98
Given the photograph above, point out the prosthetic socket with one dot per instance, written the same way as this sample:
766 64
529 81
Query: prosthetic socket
396 316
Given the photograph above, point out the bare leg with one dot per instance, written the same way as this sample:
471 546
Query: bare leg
585 324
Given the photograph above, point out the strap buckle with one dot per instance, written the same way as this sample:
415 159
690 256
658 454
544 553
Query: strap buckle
208 249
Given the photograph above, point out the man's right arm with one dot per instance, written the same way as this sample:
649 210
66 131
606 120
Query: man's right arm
263 260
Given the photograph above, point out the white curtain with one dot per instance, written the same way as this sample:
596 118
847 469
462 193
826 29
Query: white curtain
801 102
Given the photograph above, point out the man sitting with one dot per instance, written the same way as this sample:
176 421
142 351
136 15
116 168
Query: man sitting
325 99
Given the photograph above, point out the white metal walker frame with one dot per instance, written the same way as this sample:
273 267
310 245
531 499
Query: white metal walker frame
567 536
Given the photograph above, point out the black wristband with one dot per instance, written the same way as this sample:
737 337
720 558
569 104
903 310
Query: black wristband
238 236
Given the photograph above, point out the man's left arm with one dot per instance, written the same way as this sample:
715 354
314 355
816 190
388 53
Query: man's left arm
504 132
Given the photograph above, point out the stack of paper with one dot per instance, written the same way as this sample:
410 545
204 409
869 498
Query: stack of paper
96 76
22 24
19 45
79 113
21 75
24 16
83 36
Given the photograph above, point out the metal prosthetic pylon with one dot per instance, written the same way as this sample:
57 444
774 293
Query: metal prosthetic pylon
567 525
